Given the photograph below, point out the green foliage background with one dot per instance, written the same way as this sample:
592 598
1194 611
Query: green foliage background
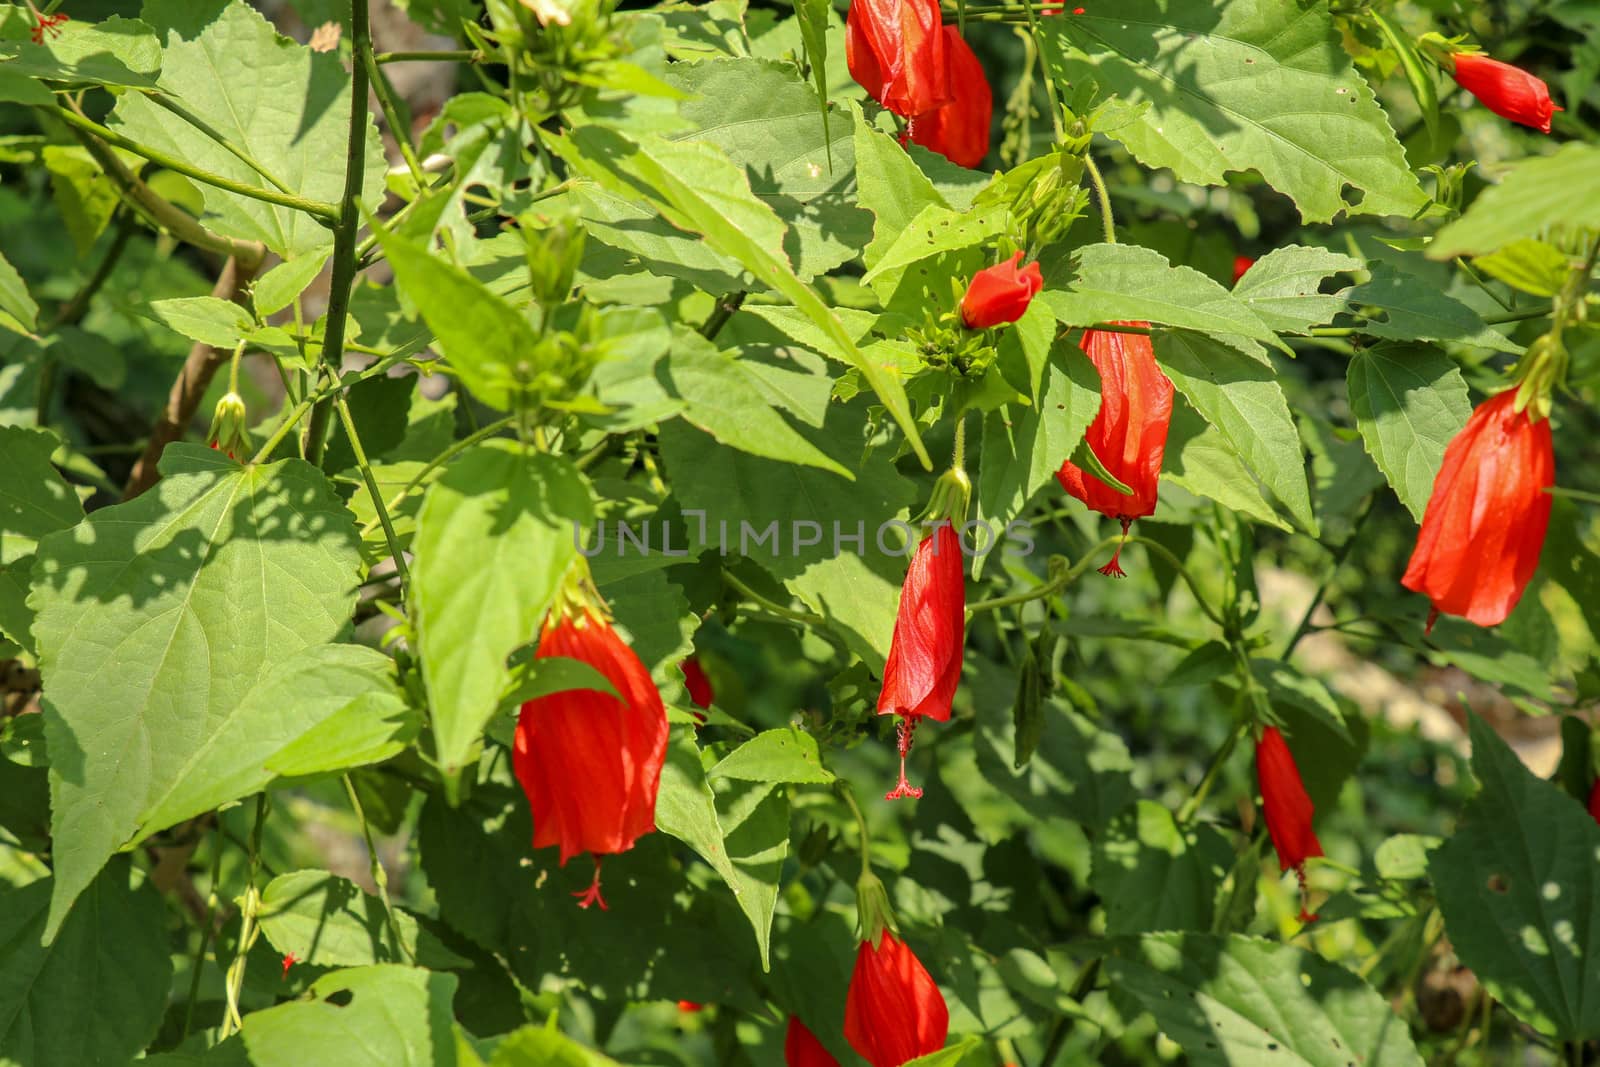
668 266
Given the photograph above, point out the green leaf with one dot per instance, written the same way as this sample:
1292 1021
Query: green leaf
487 341
934 230
328 921
1078 770
766 119
278 288
156 618
96 993
14 298
1517 884
889 185
494 539
1282 287
812 15
1144 847
1410 309
325 707
16 618
232 71
785 755
82 192
537 1046
1531 266
1200 460
34 499
1404 856
765 510
1418 71
1409 402
722 397
744 838
698 189
1258 85
1562 189
946 1057
1023 447
1119 283
207 319
116 51
1244 401
379 1016
1241 1000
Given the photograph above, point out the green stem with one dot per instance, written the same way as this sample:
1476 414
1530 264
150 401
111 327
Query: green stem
349 221
72 312
842 787
1046 588
1191 806
1107 223
248 930
162 100
459 55
444 457
1049 88
721 314
391 115
173 163
290 421
213 899
372 490
777 609
1339 556
380 875
161 213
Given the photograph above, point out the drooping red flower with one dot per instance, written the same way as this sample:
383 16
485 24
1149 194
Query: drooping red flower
1241 264
1000 294
802 1049
1485 523
924 665
1510 92
1594 800
894 1011
698 685
1287 808
589 762
959 130
1129 435
896 52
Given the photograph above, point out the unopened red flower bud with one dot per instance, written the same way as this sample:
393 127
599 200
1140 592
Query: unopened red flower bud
1129 434
802 1049
1287 808
895 50
1000 294
590 762
894 1011
1510 92
1241 264
1485 523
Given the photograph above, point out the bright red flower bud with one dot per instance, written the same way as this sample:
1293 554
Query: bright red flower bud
1508 91
802 1049
589 762
1000 294
1241 264
1129 435
698 685
1594 800
690 1006
1287 808
896 52
959 130
894 1012
924 665
1485 522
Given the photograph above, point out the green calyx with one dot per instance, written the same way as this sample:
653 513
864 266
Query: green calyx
873 912
952 494
229 430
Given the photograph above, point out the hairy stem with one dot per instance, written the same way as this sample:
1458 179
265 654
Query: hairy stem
380 876
1107 222
372 489
349 221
